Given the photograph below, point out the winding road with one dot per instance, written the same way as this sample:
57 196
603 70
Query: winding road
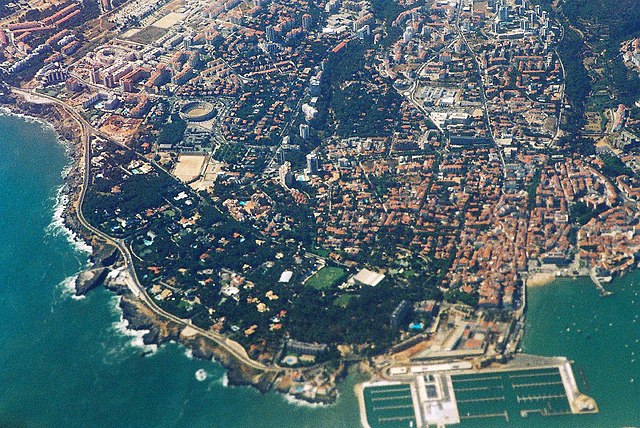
134 285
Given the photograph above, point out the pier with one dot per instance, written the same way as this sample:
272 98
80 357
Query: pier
387 390
533 374
527 398
390 398
399 406
480 379
543 412
504 415
598 283
482 400
527 385
480 388
395 419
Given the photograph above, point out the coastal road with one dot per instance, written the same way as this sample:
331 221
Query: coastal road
134 285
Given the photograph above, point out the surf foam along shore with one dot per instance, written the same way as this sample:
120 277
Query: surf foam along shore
150 327
137 336
67 287
145 327
58 225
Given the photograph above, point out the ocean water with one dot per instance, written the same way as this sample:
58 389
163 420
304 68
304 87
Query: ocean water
601 335
68 362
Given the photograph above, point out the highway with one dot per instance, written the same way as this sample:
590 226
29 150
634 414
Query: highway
134 285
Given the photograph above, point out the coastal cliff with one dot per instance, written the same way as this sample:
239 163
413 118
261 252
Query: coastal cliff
90 279
160 331
105 258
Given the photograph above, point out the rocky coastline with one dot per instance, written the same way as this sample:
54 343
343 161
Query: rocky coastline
160 331
104 259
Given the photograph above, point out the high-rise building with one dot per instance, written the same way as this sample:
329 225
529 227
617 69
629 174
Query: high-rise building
109 81
73 85
314 86
106 5
400 314
95 76
307 21
313 164
503 13
364 32
271 33
408 34
332 6
304 131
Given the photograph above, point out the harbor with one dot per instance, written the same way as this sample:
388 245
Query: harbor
598 282
444 394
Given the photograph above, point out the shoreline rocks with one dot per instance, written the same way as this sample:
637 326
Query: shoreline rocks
162 331
89 279
104 259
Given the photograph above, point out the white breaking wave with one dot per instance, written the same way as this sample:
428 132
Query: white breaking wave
45 126
67 287
302 403
57 227
30 119
201 375
137 336
222 380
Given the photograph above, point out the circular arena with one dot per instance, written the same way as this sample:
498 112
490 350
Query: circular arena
197 111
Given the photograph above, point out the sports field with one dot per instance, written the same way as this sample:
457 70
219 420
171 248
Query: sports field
188 167
169 20
326 277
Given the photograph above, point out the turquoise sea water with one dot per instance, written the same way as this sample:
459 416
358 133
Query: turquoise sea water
66 362
601 335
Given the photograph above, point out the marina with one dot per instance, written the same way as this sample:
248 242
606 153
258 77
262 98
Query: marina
398 408
530 386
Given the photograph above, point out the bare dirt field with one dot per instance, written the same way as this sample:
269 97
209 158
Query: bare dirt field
188 167
121 128
169 20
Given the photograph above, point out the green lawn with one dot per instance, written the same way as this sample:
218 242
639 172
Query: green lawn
343 300
321 252
326 278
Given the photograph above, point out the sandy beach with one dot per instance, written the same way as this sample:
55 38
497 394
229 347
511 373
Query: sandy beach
537 279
